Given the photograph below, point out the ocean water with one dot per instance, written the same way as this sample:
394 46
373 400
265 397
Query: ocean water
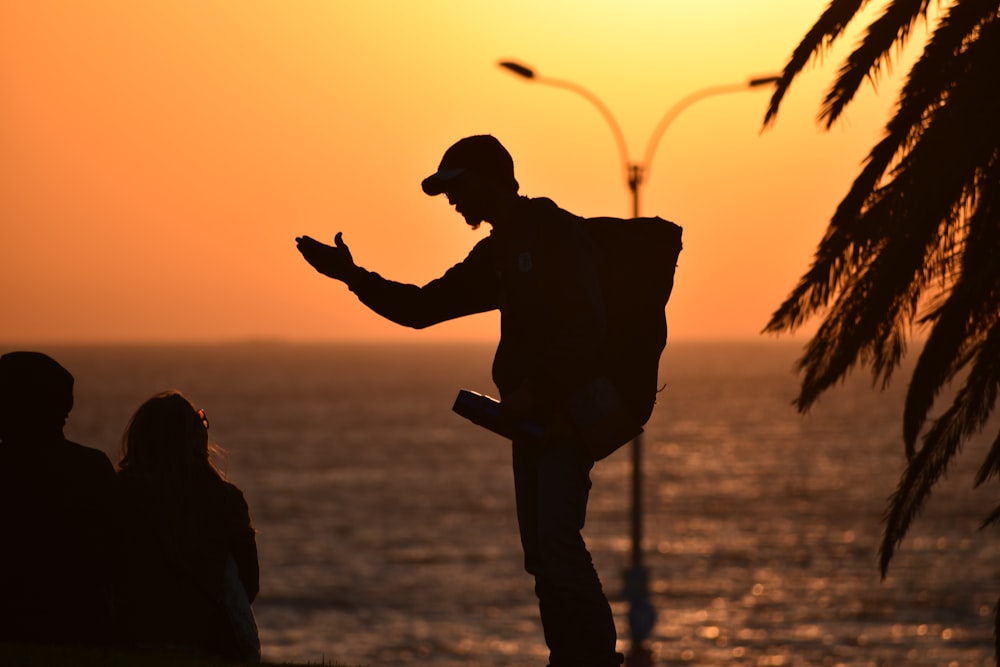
386 523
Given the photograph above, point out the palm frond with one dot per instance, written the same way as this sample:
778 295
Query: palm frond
970 310
920 225
881 261
994 516
830 26
872 311
889 29
944 355
865 321
930 74
985 225
925 88
966 416
848 239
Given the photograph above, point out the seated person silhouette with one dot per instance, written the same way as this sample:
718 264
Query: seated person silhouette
56 499
178 525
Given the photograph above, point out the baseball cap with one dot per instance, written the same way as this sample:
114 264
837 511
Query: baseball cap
481 154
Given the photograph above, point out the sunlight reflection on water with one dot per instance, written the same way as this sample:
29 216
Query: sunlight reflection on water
387 530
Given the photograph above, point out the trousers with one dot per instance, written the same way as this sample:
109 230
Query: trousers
552 485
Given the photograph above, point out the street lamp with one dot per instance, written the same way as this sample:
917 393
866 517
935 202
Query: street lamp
637 173
641 614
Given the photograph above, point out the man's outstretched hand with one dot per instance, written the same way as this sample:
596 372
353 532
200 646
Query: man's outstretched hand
334 261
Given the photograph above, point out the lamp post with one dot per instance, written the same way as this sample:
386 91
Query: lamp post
641 614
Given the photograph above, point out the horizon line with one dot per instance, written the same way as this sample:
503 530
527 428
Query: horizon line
279 341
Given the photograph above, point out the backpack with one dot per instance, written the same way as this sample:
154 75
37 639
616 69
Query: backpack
638 257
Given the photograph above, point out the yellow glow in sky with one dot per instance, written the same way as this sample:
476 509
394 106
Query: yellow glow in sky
158 159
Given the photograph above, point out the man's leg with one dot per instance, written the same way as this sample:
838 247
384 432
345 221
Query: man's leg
552 485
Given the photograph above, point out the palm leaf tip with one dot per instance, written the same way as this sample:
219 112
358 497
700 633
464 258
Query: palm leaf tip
821 35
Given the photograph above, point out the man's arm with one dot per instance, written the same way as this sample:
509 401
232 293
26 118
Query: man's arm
468 287
333 261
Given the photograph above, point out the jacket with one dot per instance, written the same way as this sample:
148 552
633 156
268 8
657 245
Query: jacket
539 268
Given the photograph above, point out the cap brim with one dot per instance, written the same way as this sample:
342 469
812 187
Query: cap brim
438 182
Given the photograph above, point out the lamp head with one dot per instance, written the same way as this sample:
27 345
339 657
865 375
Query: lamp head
518 69
764 80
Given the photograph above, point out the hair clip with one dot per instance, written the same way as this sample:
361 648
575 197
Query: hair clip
204 418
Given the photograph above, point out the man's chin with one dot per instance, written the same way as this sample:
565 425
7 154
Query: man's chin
472 220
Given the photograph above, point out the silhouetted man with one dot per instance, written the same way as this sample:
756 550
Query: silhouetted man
55 504
539 268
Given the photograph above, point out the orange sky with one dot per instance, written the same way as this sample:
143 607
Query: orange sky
158 159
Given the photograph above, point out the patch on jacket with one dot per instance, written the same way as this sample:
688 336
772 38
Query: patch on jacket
524 261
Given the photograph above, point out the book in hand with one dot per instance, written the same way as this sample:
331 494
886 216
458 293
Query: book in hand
596 415
485 411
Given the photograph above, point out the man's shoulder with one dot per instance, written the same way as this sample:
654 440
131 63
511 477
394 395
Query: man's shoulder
543 207
88 456
50 447
547 217
233 493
